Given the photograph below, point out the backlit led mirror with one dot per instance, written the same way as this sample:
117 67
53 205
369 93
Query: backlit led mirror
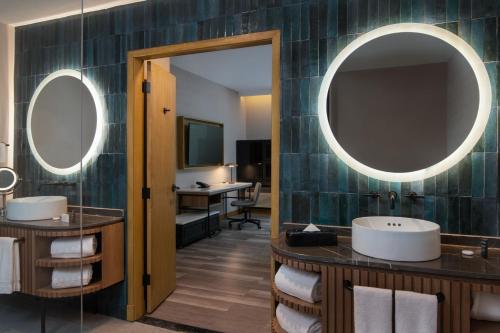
405 102
65 120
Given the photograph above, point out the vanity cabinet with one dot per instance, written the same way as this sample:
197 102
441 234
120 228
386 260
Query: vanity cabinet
37 264
454 311
336 307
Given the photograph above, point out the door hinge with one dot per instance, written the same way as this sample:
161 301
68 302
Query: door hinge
146 280
146 87
146 193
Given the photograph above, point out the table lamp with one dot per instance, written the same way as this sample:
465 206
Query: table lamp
231 166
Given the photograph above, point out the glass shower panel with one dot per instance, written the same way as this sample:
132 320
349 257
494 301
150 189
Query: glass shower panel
41 228
104 169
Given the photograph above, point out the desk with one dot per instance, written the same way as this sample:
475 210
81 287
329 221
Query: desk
213 196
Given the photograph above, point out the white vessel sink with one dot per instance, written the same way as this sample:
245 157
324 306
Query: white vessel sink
36 208
396 238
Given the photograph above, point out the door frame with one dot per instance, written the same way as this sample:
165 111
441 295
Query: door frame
136 306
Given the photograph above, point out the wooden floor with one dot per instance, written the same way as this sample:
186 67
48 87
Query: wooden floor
223 282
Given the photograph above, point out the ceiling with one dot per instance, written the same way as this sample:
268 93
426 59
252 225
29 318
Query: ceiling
22 12
247 70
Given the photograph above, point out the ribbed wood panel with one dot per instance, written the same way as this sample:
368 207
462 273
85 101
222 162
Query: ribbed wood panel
454 312
67 233
302 265
36 263
25 253
324 298
337 315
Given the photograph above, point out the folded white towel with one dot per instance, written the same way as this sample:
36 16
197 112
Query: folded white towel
295 322
300 284
372 310
415 312
69 247
485 306
70 277
10 271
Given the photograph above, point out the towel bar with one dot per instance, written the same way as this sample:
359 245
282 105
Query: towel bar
348 285
19 240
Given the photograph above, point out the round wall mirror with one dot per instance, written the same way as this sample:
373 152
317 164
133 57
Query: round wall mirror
8 180
404 102
65 120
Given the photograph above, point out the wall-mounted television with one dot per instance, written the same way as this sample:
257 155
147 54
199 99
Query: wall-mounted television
200 143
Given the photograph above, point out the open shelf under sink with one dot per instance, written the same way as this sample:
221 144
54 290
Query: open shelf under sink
50 262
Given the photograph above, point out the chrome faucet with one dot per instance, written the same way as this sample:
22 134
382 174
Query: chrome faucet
392 197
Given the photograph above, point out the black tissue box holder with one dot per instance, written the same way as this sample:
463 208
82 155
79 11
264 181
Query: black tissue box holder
298 237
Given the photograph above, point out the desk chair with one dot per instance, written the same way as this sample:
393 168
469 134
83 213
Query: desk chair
246 205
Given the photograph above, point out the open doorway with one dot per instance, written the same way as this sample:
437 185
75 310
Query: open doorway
223 111
251 241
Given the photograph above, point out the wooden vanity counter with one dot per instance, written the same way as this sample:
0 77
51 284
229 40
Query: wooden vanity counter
35 238
88 221
455 276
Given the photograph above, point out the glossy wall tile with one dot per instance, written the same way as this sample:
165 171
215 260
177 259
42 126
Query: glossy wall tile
315 185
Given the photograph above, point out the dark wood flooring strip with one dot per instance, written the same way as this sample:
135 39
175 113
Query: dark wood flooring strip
173 326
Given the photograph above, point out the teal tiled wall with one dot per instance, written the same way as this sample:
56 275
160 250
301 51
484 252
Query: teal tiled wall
315 185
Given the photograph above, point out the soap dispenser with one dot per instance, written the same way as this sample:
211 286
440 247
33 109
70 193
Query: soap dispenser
484 248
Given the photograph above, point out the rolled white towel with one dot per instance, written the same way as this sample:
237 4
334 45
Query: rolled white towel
70 277
485 306
295 322
69 247
300 284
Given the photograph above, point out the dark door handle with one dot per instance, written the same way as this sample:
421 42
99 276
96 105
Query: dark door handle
175 188
165 110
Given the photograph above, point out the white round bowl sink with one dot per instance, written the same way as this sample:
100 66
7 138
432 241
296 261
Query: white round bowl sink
396 238
36 208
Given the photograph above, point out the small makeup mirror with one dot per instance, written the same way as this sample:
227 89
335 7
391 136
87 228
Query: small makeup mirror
8 180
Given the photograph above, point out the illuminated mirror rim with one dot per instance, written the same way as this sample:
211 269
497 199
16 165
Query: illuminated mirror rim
99 122
15 177
485 99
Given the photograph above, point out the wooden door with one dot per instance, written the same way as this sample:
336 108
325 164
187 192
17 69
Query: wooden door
161 168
